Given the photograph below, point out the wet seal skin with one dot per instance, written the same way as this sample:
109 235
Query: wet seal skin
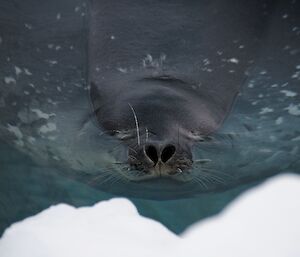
164 76
153 99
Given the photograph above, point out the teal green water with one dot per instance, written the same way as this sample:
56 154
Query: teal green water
265 121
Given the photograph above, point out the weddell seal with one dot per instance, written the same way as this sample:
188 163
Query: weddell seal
164 75
159 99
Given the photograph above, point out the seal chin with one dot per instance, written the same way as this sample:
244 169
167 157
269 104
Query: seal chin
134 175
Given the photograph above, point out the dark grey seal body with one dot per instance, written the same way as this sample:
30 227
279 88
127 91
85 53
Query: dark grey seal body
117 94
166 73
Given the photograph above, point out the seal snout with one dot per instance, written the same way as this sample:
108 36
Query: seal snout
153 152
160 159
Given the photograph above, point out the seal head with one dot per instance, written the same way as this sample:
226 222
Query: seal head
159 119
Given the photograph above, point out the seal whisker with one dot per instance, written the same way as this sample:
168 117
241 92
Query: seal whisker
115 179
177 134
100 177
136 124
132 157
137 173
106 180
202 161
132 149
120 163
216 139
207 177
131 175
212 171
213 178
107 177
114 148
200 182
147 134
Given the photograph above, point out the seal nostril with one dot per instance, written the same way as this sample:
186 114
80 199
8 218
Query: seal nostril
167 153
151 152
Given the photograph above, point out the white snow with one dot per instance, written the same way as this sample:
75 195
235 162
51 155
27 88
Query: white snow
122 70
250 85
31 140
27 72
49 127
18 134
296 75
28 26
296 138
279 121
18 70
9 80
41 114
15 130
52 62
293 109
288 93
262 222
266 110
233 60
